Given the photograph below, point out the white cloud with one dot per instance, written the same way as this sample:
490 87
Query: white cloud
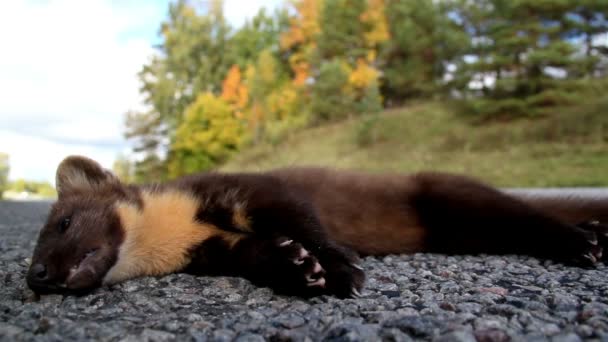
37 158
68 73
237 11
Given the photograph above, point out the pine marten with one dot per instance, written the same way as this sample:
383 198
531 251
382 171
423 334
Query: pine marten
298 231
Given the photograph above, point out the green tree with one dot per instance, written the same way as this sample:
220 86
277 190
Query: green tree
424 40
261 33
42 189
123 168
588 21
342 30
524 55
197 50
209 134
193 57
331 98
4 170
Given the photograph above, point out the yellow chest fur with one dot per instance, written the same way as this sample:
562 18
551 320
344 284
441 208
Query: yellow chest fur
160 236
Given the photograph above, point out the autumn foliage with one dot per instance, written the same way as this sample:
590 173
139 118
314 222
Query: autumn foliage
214 90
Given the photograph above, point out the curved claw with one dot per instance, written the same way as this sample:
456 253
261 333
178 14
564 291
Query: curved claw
590 257
301 257
316 282
285 243
357 267
318 268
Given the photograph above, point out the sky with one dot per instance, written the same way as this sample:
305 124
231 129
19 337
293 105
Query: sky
68 74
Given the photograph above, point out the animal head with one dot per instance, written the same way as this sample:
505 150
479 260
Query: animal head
80 241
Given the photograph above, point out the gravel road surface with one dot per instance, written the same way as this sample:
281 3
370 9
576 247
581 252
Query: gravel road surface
414 297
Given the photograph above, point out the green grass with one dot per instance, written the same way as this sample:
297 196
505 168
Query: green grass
567 148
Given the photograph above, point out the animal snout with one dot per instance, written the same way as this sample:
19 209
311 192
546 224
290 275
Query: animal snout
38 272
39 279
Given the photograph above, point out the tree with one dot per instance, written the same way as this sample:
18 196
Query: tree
260 33
209 134
299 41
123 168
262 78
342 32
193 57
331 98
148 132
4 171
424 40
588 21
234 91
199 53
363 82
524 56
42 189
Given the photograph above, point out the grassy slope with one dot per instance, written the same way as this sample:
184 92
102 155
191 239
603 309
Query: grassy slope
429 136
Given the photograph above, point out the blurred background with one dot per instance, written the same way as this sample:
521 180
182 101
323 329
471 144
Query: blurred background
511 91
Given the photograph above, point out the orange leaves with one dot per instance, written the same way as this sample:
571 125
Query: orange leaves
301 73
234 90
301 38
304 26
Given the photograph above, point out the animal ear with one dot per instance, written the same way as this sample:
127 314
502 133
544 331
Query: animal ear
77 173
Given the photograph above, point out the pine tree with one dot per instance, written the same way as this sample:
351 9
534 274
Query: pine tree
331 98
588 21
524 57
424 41
342 32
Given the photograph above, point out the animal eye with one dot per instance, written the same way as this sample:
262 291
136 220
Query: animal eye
64 224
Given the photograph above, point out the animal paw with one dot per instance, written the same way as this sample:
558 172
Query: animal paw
596 234
329 270
344 277
306 265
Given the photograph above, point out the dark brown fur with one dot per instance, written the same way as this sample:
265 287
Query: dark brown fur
251 219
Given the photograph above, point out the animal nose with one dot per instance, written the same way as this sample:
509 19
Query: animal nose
39 279
38 272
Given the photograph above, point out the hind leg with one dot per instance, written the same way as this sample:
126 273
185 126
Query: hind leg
464 216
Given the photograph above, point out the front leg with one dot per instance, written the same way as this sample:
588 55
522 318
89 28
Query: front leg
295 218
262 210
279 263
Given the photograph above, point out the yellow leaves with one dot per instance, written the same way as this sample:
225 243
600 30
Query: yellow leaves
209 133
363 76
266 67
282 102
374 16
